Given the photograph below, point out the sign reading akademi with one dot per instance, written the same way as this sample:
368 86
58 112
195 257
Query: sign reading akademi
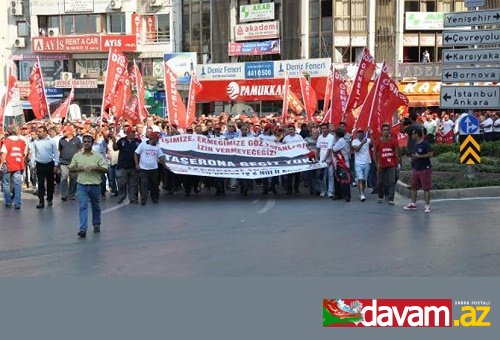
454 75
471 56
476 37
470 97
457 19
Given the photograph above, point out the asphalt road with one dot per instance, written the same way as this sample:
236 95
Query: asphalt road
254 236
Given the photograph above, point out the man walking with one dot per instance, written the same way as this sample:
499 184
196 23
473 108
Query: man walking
68 147
386 157
12 154
362 161
126 172
422 171
47 161
89 166
324 154
146 159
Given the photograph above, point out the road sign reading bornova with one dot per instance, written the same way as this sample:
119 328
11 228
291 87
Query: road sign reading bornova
476 37
470 97
471 56
457 19
453 75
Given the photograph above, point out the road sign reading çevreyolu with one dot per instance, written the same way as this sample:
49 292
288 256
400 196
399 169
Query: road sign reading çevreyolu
471 37
471 56
454 75
478 18
470 97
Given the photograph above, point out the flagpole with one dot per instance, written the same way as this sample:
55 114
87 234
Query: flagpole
105 83
166 94
43 89
4 99
136 70
189 99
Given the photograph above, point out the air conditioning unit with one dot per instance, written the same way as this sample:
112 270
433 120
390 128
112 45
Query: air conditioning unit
66 75
115 4
20 42
53 31
155 3
16 8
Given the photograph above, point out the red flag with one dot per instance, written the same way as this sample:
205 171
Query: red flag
383 99
339 99
131 111
286 90
294 103
117 65
175 107
141 91
359 90
195 87
121 97
328 92
37 96
309 96
62 111
11 86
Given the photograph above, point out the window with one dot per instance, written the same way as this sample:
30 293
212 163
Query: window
411 6
22 29
68 25
117 23
81 24
90 68
428 5
163 27
445 6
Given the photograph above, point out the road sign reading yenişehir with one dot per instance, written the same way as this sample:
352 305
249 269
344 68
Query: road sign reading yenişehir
470 97
471 56
471 37
453 75
469 125
470 150
457 19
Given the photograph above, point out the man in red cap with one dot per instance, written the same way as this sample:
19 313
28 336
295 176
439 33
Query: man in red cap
146 159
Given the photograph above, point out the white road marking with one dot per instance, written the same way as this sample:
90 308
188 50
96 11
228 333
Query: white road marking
269 205
464 199
119 206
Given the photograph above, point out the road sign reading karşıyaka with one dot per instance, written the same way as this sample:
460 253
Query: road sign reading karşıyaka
471 56
471 37
453 75
479 18
469 125
470 97
470 149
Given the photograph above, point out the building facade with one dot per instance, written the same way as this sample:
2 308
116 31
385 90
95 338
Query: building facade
72 37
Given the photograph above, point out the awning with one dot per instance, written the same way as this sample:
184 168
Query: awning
423 100
27 105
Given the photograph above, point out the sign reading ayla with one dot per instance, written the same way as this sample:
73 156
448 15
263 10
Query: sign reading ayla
257 12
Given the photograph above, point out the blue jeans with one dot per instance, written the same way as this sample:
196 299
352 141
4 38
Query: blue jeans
17 179
86 193
112 179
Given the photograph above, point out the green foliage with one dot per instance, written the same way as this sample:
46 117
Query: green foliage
491 149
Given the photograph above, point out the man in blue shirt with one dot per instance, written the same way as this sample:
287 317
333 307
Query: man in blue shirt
46 160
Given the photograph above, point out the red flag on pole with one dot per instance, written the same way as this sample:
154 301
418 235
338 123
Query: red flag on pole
359 89
339 99
37 96
309 96
63 109
117 65
175 106
195 87
131 111
141 91
294 103
328 92
286 89
121 97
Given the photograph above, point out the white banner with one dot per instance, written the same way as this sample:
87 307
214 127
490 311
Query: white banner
257 31
221 71
257 12
235 158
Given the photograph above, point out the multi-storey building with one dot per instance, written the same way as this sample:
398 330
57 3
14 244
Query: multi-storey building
72 37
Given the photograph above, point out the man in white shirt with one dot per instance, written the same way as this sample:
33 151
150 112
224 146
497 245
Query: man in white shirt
496 126
324 154
146 158
292 137
362 161
487 126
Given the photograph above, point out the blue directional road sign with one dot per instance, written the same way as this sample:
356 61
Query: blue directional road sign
469 125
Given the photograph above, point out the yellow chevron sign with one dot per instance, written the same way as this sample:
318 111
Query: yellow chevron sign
470 150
